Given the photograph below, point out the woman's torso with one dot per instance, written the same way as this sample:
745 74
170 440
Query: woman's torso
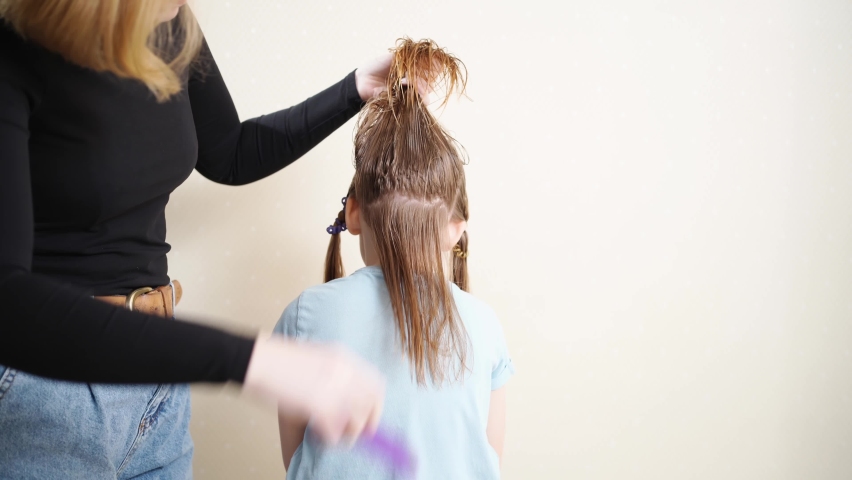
104 157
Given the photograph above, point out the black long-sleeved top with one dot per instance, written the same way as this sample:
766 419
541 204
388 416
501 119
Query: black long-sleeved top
87 163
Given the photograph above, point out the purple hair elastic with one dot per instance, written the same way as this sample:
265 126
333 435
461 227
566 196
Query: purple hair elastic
392 451
339 225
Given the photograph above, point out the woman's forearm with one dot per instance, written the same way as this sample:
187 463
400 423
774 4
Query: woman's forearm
235 153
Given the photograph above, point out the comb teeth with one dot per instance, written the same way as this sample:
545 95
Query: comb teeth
392 451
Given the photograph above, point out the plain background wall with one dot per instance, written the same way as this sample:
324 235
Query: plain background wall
660 196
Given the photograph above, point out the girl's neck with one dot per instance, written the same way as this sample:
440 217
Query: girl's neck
370 255
368 247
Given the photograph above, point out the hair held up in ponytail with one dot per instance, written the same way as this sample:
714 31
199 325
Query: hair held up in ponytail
409 182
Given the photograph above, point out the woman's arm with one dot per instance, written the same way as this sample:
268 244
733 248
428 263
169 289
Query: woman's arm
496 429
292 432
235 153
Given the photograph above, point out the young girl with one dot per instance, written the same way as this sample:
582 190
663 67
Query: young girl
408 311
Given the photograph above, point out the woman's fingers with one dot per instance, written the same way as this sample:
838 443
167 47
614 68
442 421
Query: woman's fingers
329 426
371 77
363 418
376 413
367 399
354 389
423 88
353 396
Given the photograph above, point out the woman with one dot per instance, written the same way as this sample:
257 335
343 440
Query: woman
106 106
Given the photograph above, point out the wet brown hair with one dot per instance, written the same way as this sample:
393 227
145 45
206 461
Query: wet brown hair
409 180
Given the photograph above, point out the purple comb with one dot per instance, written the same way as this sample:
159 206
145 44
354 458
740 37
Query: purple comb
391 450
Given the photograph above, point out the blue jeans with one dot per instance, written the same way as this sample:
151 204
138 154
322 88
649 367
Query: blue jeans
63 430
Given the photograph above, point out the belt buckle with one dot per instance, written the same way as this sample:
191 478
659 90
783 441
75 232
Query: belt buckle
128 304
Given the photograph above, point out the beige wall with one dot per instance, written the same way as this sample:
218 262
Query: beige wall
660 198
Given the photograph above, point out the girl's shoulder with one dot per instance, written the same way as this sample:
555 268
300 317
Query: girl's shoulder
327 305
474 311
360 282
469 300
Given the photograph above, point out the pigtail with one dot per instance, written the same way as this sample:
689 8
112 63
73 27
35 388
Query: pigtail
460 263
460 250
333 259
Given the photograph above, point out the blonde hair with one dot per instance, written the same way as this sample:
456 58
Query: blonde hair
409 179
124 37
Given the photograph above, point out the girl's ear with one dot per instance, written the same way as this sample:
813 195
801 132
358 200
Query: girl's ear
455 228
353 216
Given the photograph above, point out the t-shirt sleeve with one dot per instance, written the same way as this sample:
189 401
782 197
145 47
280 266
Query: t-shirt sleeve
503 368
288 323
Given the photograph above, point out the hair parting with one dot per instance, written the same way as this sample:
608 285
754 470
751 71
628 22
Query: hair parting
409 182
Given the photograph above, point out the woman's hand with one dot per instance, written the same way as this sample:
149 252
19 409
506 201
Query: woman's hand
371 78
339 394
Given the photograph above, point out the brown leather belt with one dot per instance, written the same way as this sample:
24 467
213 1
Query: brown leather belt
153 301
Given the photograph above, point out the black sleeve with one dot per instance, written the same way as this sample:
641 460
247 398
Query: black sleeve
235 153
53 330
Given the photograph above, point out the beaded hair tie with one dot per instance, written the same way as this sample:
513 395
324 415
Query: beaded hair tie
339 222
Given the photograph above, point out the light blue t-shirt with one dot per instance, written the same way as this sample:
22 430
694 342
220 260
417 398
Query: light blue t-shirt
444 427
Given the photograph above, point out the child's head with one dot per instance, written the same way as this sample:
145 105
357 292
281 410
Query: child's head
408 202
